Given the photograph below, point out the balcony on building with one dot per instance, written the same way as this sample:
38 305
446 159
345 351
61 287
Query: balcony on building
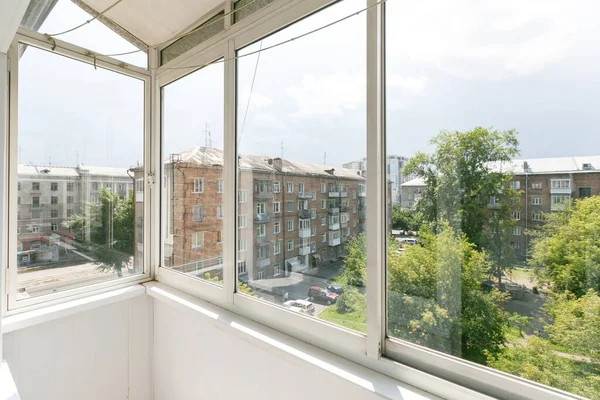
304 250
334 210
263 262
306 195
334 190
343 193
560 186
334 226
262 217
304 233
261 240
335 241
304 214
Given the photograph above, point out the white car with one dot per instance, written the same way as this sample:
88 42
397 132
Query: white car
300 306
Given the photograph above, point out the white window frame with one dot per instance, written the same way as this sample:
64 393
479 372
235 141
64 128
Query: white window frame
374 350
277 269
276 207
536 185
323 204
516 231
515 185
242 221
323 188
288 208
323 237
290 245
198 186
289 225
219 185
290 187
242 196
515 215
276 187
197 240
198 213
219 211
276 247
276 228
301 187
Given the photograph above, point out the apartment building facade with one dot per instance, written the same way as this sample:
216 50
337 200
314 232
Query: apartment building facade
545 185
291 216
411 193
50 195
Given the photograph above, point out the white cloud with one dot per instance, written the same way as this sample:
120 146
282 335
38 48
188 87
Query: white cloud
330 95
257 101
269 120
409 84
485 39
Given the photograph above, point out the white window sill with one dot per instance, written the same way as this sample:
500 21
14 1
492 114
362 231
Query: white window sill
287 346
30 318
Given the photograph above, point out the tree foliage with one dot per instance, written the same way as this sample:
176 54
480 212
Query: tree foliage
566 254
354 272
406 220
107 229
436 298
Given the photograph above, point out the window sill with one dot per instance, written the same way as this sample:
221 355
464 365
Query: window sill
377 382
34 317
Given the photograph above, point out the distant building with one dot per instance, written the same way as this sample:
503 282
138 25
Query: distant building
411 193
394 167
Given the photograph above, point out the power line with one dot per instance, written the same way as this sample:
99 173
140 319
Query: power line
86 22
250 95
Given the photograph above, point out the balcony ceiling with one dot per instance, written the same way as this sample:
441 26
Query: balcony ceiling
154 21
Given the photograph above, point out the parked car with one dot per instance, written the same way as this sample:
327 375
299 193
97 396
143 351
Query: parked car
316 293
408 241
300 306
334 288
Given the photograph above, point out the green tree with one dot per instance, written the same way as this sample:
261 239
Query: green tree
110 224
354 272
436 298
406 220
566 254
576 325
466 170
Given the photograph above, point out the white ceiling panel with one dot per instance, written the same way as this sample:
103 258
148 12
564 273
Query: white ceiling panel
155 21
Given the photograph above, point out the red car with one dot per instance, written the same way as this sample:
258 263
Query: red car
316 293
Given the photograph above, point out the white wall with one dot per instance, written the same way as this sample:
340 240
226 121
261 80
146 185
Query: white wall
198 357
103 353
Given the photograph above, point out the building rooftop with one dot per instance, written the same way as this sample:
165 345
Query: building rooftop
214 157
557 165
75 172
414 182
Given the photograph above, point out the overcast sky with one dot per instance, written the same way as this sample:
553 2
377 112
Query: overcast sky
527 65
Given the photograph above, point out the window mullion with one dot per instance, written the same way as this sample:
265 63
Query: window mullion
153 161
229 175
376 177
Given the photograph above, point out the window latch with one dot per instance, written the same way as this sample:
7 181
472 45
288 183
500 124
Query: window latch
151 180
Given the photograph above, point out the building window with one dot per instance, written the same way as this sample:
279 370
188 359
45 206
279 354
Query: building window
277 247
290 225
536 216
362 188
516 246
290 245
69 186
35 201
276 269
276 187
197 240
242 221
219 236
323 237
515 185
219 185
69 199
585 192
276 228
313 213
354 195
260 208
54 200
242 244
536 201
302 205
560 183
120 187
516 230
95 186
323 188
219 212
140 237
139 185
35 229
242 196
301 188
261 275
290 187
35 214
198 185
516 215
261 230
354 210
53 213
276 207
53 186
558 200
323 221
536 185
197 213
242 269
313 231
69 212
35 186
18 185
290 206
323 204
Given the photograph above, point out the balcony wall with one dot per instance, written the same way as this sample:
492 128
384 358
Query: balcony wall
101 353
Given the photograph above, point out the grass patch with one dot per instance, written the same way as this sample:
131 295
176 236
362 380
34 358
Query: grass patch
356 320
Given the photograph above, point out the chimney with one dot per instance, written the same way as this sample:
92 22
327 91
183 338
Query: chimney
277 163
330 171
525 166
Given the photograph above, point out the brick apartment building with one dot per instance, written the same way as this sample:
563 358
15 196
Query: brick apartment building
49 195
291 215
545 185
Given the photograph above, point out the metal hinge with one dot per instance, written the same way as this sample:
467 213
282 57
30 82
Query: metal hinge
151 180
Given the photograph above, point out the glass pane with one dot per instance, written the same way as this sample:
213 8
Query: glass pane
80 147
96 36
301 211
193 192
492 253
